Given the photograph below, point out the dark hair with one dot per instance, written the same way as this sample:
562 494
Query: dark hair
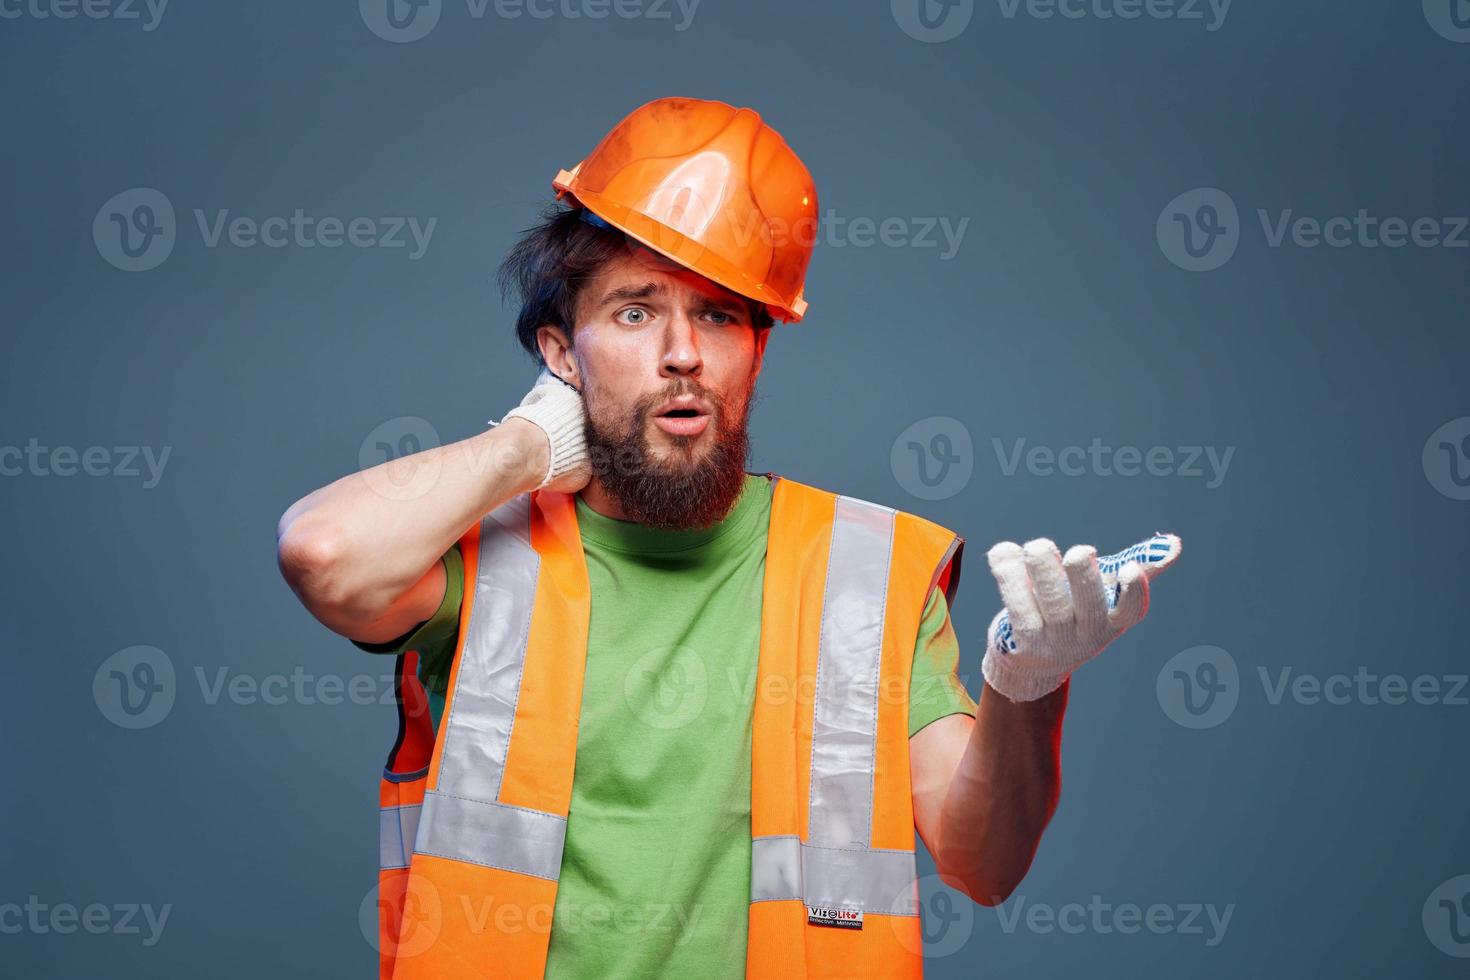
551 263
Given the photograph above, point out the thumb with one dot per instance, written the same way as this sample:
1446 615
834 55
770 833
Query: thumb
1152 555
1156 554
1132 597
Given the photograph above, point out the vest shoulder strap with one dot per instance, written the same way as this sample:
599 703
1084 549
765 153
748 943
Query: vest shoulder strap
913 535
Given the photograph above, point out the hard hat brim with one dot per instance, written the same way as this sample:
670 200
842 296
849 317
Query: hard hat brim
682 249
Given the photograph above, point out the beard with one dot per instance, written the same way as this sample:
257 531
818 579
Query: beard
686 489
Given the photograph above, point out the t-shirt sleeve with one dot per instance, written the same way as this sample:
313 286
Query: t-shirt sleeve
935 689
434 638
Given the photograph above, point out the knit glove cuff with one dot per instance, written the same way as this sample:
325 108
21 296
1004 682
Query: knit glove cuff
1020 678
556 408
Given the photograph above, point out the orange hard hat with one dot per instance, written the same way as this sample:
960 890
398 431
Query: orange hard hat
713 188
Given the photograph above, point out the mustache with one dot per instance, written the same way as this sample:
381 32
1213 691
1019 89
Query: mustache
646 405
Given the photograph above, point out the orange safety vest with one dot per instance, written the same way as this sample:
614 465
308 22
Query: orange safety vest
472 828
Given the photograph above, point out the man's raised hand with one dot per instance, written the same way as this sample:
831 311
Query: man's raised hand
1061 612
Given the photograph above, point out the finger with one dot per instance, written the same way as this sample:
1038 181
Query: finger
1000 636
1048 581
1132 597
1008 565
1089 596
1160 551
1153 555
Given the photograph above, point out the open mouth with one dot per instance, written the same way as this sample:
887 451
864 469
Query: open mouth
682 421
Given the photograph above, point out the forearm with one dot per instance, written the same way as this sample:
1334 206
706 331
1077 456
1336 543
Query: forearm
352 548
1002 794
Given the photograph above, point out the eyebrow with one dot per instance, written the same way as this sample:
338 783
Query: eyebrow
622 293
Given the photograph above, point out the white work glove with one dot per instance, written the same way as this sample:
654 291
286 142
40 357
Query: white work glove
1061 612
556 407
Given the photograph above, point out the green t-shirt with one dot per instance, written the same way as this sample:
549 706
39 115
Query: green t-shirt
655 874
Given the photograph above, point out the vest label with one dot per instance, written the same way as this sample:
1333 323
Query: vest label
816 915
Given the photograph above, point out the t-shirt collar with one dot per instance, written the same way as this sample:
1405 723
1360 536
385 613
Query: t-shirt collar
630 536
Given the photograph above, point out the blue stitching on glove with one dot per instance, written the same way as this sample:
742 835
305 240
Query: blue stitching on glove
1151 552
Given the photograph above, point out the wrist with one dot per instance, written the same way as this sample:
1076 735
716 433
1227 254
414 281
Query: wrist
522 451
1019 681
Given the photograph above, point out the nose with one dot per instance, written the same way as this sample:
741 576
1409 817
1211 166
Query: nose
681 348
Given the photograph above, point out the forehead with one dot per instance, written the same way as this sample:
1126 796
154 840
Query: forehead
655 276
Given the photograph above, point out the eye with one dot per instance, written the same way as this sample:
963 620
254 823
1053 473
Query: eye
721 317
633 316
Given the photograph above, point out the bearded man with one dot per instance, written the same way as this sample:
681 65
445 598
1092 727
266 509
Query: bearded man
661 716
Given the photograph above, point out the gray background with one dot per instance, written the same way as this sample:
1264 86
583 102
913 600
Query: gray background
1328 547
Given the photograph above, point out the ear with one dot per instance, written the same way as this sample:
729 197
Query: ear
761 337
556 351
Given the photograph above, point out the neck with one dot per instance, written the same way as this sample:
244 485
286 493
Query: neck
601 501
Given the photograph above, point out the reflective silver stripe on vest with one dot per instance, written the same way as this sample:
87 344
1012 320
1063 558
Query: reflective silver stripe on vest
835 867
462 819
512 838
849 655
870 879
397 827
